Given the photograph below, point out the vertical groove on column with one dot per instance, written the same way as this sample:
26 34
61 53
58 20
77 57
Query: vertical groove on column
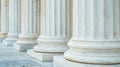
89 23
81 12
108 19
37 16
112 20
48 17
67 19
75 17
42 17
60 19
45 17
63 18
53 18
57 17
34 16
68 13
10 14
15 11
34 25
99 20
13 20
25 17
117 19
30 17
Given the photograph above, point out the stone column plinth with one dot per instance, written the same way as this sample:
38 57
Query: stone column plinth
30 25
4 20
96 34
14 22
56 30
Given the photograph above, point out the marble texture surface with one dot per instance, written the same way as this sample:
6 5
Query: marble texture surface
9 57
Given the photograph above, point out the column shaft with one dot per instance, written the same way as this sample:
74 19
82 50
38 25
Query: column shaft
14 22
96 35
30 25
55 26
56 29
4 19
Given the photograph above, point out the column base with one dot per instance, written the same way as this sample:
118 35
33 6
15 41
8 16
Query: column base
60 61
22 47
1 40
45 57
94 52
11 39
3 36
8 42
26 41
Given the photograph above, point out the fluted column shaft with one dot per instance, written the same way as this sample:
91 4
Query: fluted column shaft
30 24
4 19
55 28
29 14
96 32
14 22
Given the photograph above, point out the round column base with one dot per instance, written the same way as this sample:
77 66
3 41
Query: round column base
60 61
1 40
94 52
12 38
52 44
2 36
25 42
9 42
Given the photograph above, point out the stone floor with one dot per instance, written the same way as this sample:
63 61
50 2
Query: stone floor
9 57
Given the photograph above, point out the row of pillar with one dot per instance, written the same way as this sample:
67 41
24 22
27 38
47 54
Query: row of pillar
44 27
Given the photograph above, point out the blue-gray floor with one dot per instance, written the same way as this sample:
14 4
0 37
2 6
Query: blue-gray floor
9 57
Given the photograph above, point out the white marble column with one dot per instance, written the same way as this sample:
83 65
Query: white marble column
0 15
56 30
4 20
30 25
14 22
96 34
